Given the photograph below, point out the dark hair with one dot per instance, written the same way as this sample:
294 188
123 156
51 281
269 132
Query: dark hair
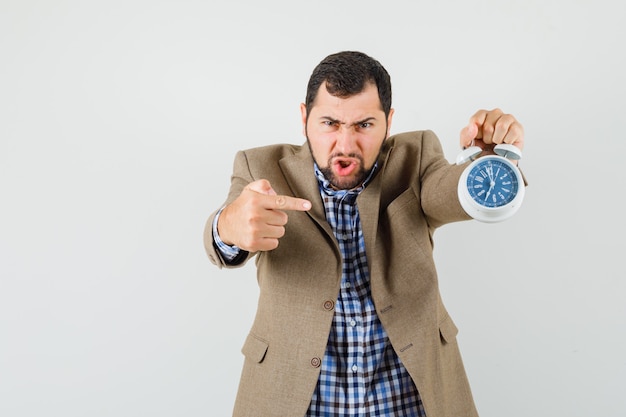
346 74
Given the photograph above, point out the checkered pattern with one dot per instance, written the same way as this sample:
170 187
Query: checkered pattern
361 375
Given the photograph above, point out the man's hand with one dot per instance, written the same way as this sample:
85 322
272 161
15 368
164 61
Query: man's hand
487 128
257 218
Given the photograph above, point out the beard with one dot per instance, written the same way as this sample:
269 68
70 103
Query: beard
344 183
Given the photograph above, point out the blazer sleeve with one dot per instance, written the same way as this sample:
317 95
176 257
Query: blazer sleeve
240 178
439 182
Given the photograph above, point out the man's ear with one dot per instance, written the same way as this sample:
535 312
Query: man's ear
389 118
303 115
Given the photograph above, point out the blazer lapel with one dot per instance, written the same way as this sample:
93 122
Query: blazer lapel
298 171
369 204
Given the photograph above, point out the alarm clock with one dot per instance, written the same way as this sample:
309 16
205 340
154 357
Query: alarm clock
491 188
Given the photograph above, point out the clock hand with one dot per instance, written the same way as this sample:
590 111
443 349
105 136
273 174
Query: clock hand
491 184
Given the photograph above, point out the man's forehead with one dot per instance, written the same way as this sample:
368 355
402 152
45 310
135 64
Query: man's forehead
367 103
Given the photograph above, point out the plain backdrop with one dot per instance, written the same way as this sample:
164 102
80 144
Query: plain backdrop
119 121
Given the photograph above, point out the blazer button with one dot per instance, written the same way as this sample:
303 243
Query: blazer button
329 305
316 362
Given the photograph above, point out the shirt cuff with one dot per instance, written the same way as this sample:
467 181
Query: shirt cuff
227 251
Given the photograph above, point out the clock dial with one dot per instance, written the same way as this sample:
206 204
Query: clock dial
492 182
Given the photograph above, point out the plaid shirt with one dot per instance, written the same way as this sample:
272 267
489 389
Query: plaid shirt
360 375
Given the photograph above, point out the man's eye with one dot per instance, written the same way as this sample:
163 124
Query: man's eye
329 123
365 125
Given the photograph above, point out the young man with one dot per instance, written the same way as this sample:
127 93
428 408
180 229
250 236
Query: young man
350 321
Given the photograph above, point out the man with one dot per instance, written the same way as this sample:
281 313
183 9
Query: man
350 321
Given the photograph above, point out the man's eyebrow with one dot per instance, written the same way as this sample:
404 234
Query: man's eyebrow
367 119
331 119
358 122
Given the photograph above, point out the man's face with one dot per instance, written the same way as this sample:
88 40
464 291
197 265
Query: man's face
346 134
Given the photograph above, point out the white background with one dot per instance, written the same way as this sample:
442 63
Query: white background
119 121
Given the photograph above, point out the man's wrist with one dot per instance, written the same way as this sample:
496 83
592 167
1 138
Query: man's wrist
230 252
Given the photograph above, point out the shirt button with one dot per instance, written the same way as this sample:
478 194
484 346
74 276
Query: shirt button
316 362
352 323
348 285
329 305
355 368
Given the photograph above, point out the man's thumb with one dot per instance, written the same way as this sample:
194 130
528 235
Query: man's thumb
468 134
262 187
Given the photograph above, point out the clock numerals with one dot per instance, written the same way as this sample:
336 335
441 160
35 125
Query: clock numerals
492 184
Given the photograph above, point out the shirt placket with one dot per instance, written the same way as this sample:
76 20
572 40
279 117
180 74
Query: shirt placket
352 303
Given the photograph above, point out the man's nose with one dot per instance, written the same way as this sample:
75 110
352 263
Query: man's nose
346 140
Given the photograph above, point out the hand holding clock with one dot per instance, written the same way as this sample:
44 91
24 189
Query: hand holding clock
487 128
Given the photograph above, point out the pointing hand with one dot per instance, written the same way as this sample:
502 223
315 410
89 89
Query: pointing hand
256 220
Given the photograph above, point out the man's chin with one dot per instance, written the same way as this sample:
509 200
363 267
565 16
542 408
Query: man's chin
345 183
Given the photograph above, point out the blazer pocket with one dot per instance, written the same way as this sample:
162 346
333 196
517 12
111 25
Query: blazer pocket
448 330
255 348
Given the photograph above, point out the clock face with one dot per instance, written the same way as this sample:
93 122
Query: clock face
492 182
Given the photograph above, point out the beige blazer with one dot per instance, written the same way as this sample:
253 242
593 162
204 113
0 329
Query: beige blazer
413 193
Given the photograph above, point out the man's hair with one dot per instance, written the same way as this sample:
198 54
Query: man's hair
346 74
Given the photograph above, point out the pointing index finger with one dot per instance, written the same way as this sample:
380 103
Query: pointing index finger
283 202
